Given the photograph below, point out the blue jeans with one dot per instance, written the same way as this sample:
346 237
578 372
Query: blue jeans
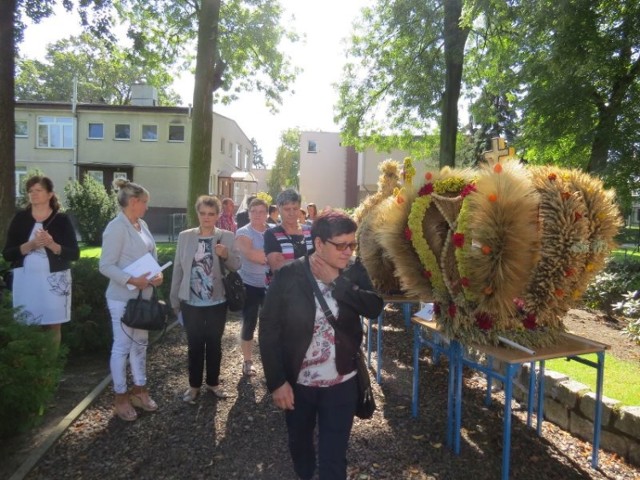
333 408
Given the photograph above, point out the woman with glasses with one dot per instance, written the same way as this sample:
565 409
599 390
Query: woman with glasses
291 239
250 244
197 291
309 366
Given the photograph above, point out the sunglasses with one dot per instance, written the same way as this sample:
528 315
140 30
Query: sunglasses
341 247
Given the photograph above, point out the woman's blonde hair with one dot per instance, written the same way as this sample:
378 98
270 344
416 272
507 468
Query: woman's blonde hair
127 190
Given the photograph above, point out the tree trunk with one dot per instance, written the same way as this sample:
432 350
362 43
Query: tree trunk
454 41
7 120
202 121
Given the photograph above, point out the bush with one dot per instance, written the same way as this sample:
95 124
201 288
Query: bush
92 208
30 369
609 286
89 330
630 308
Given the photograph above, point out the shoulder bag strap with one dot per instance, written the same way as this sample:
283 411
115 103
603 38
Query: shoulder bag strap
316 290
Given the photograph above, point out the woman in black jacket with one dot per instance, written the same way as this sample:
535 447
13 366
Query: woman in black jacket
41 244
309 367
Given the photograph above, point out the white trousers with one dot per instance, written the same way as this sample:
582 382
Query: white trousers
125 348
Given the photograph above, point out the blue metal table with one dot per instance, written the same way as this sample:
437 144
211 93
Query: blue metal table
571 346
405 303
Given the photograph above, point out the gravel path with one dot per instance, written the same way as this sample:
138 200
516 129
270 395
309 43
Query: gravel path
245 438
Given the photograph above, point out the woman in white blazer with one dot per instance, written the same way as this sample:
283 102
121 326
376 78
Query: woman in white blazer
125 239
197 291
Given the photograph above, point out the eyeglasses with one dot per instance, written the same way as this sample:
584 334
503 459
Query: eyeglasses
341 247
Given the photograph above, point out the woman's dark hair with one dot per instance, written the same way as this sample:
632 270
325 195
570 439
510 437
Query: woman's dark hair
273 208
127 190
288 196
47 184
331 223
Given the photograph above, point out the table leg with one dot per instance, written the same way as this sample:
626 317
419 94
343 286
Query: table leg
379 349
508 393
406 311
416 373
454 412
597 420
540 413
368 343
487 395
531 393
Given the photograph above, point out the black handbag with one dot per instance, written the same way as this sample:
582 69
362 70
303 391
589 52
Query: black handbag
366 401
234 290
144 314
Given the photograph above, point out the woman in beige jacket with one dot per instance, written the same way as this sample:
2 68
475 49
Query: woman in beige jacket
198 293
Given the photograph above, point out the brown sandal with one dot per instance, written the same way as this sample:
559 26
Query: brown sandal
140 398
123 408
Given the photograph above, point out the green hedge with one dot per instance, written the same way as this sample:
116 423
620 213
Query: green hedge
30 369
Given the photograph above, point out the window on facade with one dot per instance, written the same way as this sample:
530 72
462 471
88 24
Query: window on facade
149 133
312 147
123 131
22 129
20 179
222 143
117 175
55 132
176 133
96 131
97 175
246 161
230 150
238 156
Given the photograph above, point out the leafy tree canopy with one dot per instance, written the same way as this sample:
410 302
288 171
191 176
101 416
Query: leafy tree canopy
104 71
284 173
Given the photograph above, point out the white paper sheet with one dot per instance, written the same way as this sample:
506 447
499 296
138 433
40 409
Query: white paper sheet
425 312
145 264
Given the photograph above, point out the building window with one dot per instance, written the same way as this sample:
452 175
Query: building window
96 131
20 179
222 143
230 150
149 133
97 175
22 129
247 167
55 132
312 147
176 133
123 131
238 155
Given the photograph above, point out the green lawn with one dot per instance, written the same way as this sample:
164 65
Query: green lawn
620 378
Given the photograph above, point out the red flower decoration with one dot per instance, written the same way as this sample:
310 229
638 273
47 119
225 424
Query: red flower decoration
458 240
436 308
529 321
426 274
470 188
427 189
565 195
428 176
484 321
569 272
552 177
464 281
452 310
577 216
519 303
407 234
